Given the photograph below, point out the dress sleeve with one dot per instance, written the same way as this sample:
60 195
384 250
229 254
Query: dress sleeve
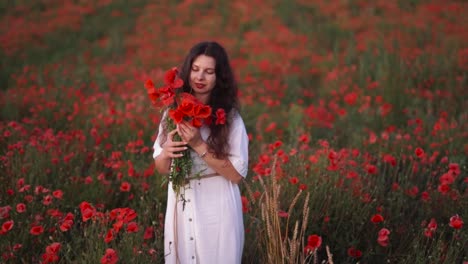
239 146
157 149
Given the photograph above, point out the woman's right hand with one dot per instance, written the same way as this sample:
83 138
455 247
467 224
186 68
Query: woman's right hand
171 148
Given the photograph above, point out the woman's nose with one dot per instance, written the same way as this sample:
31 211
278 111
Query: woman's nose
200 75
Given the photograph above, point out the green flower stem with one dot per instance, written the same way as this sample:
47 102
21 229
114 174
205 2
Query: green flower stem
180 167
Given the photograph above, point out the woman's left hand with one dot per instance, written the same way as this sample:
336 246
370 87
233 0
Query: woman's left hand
189 134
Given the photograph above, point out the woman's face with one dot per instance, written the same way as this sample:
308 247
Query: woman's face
203 77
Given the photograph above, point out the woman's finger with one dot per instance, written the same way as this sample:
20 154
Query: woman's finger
177 149
171 134
177 144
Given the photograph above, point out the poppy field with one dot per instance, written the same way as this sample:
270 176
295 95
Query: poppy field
356 111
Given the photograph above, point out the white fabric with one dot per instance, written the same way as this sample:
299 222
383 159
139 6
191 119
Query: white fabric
210 228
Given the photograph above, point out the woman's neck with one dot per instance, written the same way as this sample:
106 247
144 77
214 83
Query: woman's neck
204 98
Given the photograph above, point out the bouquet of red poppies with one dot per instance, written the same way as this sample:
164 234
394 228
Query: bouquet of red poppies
181 106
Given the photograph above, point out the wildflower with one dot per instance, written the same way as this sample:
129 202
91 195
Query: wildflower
354 253
149 232
419 152
87 211
36 230
21 208
293 180
377 218
125 187
132 227
456 222
110 257
7 226
314 242
383 238
109 236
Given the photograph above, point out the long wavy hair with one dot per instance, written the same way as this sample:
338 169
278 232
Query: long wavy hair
224 94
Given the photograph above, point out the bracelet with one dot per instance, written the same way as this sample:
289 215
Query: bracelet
203 154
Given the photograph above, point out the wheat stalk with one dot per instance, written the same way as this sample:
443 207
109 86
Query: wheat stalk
249 192
293 203
293 244
280 247
329 255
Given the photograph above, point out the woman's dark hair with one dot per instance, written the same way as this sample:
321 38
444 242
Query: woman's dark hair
223 95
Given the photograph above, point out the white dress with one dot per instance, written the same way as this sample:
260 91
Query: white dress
210 228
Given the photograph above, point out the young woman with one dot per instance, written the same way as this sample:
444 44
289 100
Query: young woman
207 226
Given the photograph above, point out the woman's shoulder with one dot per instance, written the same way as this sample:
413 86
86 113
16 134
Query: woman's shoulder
236 118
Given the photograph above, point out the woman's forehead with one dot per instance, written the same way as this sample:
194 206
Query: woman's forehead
204 61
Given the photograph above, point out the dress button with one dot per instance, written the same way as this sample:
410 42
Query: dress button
193 257
191 238
190 219
188 200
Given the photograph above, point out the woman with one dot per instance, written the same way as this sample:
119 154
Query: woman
207 227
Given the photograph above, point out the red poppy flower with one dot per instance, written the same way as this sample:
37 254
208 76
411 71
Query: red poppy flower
383 238
87 211
132 227
69 216
202 111
117 226
432 224
186 107
282 214
176 115
47 200
49 258
443 188
125 187
419 152
354 253
149 85
389 159
36 230
294 180
20 208
149 233
53 248
220 117
167 96
447 178
245 204
66 225
58 194
110 257
109 236
7 226
171 79
425 196
196 122
456 222
371 169
377 218
454 168
351 98
130 215
315 241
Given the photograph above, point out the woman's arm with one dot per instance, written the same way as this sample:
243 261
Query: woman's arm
223 167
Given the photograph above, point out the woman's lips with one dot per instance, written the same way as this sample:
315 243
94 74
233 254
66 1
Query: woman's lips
200 85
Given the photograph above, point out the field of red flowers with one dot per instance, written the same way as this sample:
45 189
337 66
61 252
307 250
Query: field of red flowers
357 115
